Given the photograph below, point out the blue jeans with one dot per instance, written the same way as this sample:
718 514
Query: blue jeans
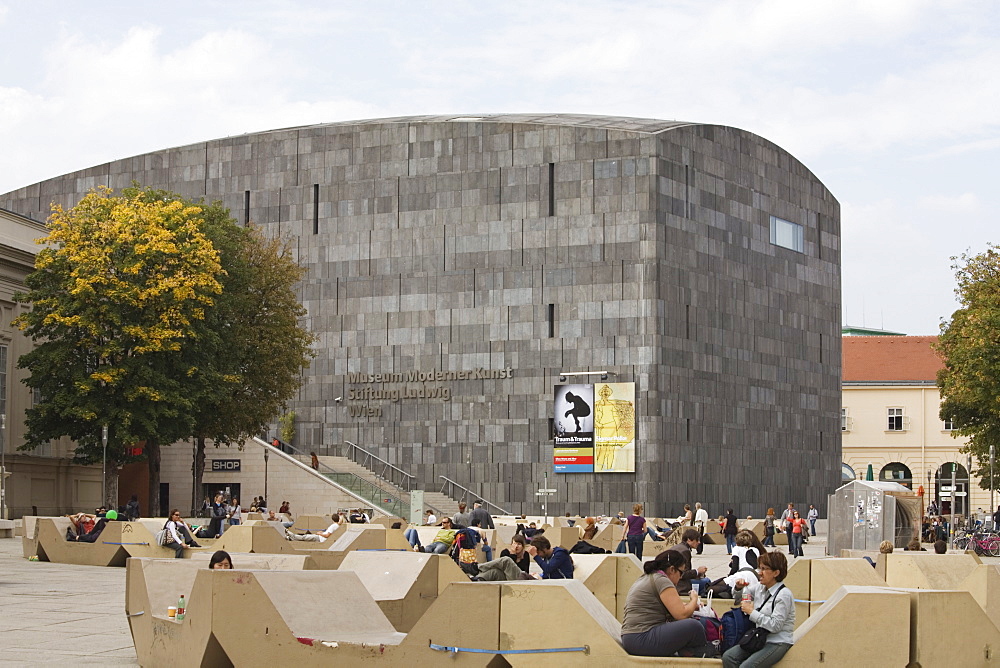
796 545
635 544
488 551
437 548
812 524
730 542
412 537
772 653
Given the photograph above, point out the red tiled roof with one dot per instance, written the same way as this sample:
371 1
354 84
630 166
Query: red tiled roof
890 358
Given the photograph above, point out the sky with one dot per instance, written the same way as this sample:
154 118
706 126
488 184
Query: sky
888 102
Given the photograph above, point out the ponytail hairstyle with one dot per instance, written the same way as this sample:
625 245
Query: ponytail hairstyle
664 560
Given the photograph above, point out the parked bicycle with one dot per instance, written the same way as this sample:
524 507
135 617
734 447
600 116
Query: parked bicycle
984 543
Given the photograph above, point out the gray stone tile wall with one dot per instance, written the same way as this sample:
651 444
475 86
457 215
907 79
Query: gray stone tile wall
436 251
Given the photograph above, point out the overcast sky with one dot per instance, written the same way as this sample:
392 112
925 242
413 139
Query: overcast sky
891 103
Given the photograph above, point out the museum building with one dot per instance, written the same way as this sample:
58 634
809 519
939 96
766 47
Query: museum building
462 269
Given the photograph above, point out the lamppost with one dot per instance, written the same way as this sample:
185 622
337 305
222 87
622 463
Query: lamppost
266 455
104 466
3 465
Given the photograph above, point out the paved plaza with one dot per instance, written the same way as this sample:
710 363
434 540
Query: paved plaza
56 613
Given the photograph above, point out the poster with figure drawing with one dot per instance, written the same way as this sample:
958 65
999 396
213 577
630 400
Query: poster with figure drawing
614 428
573 419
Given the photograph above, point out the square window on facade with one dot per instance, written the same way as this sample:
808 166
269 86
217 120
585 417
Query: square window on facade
786 234
949 424
895 419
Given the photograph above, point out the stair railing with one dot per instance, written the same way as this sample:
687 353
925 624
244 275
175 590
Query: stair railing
453 489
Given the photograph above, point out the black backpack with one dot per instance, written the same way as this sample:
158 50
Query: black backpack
583 547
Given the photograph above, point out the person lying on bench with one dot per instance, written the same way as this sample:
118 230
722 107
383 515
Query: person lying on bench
319 536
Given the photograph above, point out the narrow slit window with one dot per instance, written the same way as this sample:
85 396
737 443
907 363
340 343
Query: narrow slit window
315 208
552 188
246 207
552 320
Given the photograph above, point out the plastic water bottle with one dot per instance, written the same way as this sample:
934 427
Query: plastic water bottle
180 608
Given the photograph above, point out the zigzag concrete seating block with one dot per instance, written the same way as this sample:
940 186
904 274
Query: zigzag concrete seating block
151 585
117 542
756 526
313 523
387 522
404 584
608 577
565 537
363 537
984 585
246 561
29 541
923 570
573 618
817 579
857 626
268 537
947 628
307 618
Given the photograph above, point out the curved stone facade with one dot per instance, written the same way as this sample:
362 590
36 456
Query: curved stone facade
489 254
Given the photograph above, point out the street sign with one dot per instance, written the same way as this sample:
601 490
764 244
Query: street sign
548 490
544 493
947 488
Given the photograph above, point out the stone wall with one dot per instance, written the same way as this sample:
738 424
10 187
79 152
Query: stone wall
540 245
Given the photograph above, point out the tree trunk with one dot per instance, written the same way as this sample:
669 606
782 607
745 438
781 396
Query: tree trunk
111 489
197 474
153 458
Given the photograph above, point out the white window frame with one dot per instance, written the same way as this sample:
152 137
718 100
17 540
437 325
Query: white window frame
948 425
846 421
896 419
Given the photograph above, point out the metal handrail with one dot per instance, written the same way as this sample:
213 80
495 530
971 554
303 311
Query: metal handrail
375 494
380 467
467 495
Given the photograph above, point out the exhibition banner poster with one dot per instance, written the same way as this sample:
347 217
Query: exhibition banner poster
614 428
573 446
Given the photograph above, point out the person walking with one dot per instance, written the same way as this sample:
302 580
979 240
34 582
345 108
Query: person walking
786 524
700 522
635 531
481 514
769 528
812 516
799 527
729 531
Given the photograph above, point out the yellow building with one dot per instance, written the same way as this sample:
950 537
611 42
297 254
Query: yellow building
889 420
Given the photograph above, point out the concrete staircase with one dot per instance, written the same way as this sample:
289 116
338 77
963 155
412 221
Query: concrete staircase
441 504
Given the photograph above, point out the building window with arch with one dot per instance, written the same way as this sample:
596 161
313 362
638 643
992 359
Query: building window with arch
896 472
847 473
944 492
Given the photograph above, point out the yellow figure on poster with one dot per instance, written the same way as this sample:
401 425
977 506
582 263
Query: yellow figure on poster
614 428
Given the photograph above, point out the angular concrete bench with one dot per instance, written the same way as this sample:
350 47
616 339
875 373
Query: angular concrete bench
925 570
948 628
857 626
563 614
608 577
813 581
117 542
404 584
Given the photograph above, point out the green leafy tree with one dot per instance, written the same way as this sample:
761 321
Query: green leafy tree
252 349
115 297
970 347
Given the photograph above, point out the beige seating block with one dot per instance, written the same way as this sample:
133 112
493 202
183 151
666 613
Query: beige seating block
151 585
267 537
504 534
984 585
564 536
29 541
948 628
816 580
857 626
583 622
922 570
301 619
388 521
313 523
599 574
249 561
351 537
799 581
756 526
404 584
117 542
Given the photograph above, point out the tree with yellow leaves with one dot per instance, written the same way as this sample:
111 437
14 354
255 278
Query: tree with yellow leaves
116 296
